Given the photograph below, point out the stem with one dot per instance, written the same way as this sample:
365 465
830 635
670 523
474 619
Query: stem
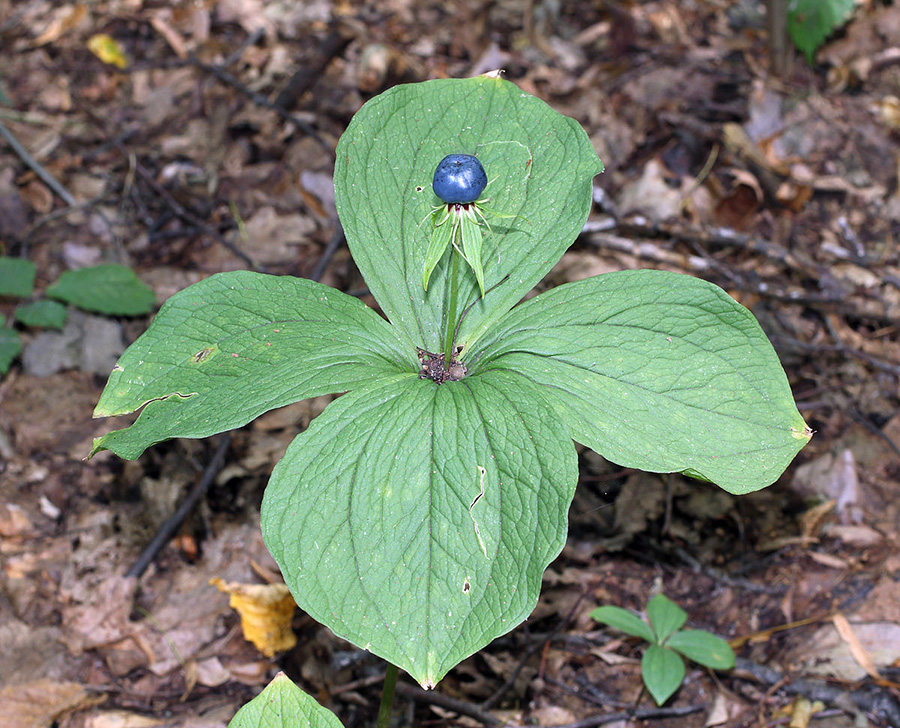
450 334
387 696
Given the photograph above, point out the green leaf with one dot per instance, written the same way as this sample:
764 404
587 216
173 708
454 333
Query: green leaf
416 519
665 616
111 289
539 166
235 345
49 314
663 672
624 621
16 277
810 22
658 371
10 346
283 705
703 648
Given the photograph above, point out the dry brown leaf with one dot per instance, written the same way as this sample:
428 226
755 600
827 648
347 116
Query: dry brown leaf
65 19
811 520
173 37
861 536
832 562
14 521
40 703
724 711
860 653
102 620
122 719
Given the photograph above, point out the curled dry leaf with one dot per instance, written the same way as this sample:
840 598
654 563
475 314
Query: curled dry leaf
266 612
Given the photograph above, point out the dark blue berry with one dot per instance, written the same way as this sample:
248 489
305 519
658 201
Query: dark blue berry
459 179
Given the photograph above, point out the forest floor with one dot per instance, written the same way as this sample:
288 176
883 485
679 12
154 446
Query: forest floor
212 147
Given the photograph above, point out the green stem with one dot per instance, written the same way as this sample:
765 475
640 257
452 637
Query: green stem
387 696
450 333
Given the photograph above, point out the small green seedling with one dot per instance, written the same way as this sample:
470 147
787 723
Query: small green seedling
113 290
662 666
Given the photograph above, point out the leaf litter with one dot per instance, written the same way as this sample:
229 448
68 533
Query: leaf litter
782 191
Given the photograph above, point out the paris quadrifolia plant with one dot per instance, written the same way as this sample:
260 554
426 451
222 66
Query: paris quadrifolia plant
416 515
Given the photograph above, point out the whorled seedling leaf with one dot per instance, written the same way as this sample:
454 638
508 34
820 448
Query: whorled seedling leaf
658 371
235 345
663 672
539 166
416 519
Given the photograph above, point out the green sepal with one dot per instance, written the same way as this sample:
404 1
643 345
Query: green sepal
470 236
441 235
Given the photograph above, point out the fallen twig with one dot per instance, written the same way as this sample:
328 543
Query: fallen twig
47 178
638 714
491 701
872 699
337 239
173 522
332 45
431 697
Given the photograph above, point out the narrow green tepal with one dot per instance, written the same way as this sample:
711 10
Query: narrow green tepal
283 705
111 289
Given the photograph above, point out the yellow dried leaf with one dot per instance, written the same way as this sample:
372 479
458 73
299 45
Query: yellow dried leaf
108 50
266 612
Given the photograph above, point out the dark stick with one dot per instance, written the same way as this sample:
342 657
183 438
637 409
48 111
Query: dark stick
173 522
331 46
47 178
876 700
639 714
173 204
337 239
445 701
532 649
